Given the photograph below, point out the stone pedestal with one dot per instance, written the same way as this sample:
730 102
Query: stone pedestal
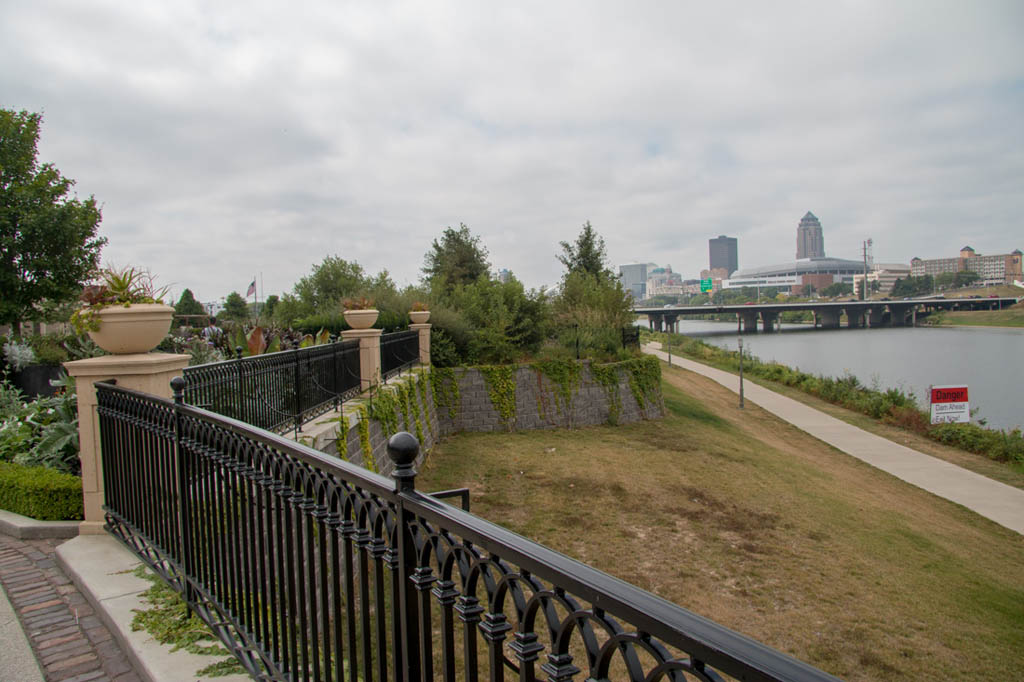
424 330
369 355
147 372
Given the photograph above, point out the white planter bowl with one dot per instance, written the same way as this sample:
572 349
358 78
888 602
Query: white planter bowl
137 328
361 319
419 316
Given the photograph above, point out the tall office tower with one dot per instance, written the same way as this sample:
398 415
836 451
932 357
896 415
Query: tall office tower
809 242
634 279
722 253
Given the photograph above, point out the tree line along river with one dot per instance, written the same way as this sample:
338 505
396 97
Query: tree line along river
988 360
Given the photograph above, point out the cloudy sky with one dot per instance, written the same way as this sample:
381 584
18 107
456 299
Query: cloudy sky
225 140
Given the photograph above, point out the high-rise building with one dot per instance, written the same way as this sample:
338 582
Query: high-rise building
634 279
809 242
722 253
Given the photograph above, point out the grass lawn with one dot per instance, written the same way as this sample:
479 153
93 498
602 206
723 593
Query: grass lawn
1009 317
751 522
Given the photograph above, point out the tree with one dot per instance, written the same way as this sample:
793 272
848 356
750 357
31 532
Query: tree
965 278
586 255
188 305
331 281
235 308
837 289
269 305
457 259
48 241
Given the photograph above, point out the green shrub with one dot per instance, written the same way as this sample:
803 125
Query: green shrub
40 493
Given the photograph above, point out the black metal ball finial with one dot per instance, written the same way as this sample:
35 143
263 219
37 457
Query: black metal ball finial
403 449
177 389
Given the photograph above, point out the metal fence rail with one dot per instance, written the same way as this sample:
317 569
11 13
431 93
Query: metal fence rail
310 568
277 391
398 351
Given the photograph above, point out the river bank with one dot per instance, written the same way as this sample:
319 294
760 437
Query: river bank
894 407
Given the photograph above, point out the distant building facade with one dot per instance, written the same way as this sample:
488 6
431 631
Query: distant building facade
992 270
723 253
662 281
810 243
885 274
634 279
504 275
796 276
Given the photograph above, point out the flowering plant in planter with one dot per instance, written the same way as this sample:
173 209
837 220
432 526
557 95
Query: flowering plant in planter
359 312
357 303
420 313
129 298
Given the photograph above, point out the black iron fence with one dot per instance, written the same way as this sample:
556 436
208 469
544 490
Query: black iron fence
277 391
310 568
398 351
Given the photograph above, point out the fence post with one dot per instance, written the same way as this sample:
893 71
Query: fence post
369 355
181 483
424 331
403 449
148 372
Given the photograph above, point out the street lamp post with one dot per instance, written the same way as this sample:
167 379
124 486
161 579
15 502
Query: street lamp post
740 340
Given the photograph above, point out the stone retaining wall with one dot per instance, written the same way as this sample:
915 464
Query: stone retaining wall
538 405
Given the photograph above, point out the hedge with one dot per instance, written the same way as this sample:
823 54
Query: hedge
40 493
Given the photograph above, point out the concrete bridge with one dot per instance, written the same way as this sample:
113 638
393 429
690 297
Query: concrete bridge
827 314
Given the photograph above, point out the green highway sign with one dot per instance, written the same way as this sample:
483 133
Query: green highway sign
705 285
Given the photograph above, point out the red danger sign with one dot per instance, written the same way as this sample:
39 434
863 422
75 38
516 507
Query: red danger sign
949 394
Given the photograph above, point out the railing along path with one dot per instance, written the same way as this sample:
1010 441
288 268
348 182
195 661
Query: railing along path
277 391
311 568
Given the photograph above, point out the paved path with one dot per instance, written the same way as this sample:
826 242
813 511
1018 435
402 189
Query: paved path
68 639
997 501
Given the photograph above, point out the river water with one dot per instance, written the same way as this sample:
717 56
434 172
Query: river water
989 361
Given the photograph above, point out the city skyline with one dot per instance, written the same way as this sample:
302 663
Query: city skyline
226 141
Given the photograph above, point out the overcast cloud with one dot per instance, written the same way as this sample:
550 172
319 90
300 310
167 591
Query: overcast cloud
223 142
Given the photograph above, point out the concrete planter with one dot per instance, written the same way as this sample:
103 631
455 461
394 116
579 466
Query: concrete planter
34 380
419 316
137 328
361 319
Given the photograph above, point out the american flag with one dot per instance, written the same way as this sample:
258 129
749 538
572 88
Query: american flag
251 291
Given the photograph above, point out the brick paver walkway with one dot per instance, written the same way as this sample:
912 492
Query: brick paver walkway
68 639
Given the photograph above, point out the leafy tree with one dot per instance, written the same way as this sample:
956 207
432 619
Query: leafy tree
457 259
965 278
944 280
837 289
48 241
270 304
505 320
235 308
586 255
913 286
188 305
331 281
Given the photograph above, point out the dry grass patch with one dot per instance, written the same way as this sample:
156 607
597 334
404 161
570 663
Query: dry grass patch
751 522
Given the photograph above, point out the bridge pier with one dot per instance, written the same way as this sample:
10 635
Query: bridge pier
829 318
672 323
876 317
854 318
748 321
768 321
898 315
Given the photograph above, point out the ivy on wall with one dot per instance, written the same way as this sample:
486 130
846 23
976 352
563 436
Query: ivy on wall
446 389
501 387
607 377
644 379
364 439
566 375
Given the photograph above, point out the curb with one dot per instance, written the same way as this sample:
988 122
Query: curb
100 567
24 528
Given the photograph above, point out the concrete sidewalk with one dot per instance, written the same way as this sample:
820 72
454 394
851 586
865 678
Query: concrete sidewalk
997 501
